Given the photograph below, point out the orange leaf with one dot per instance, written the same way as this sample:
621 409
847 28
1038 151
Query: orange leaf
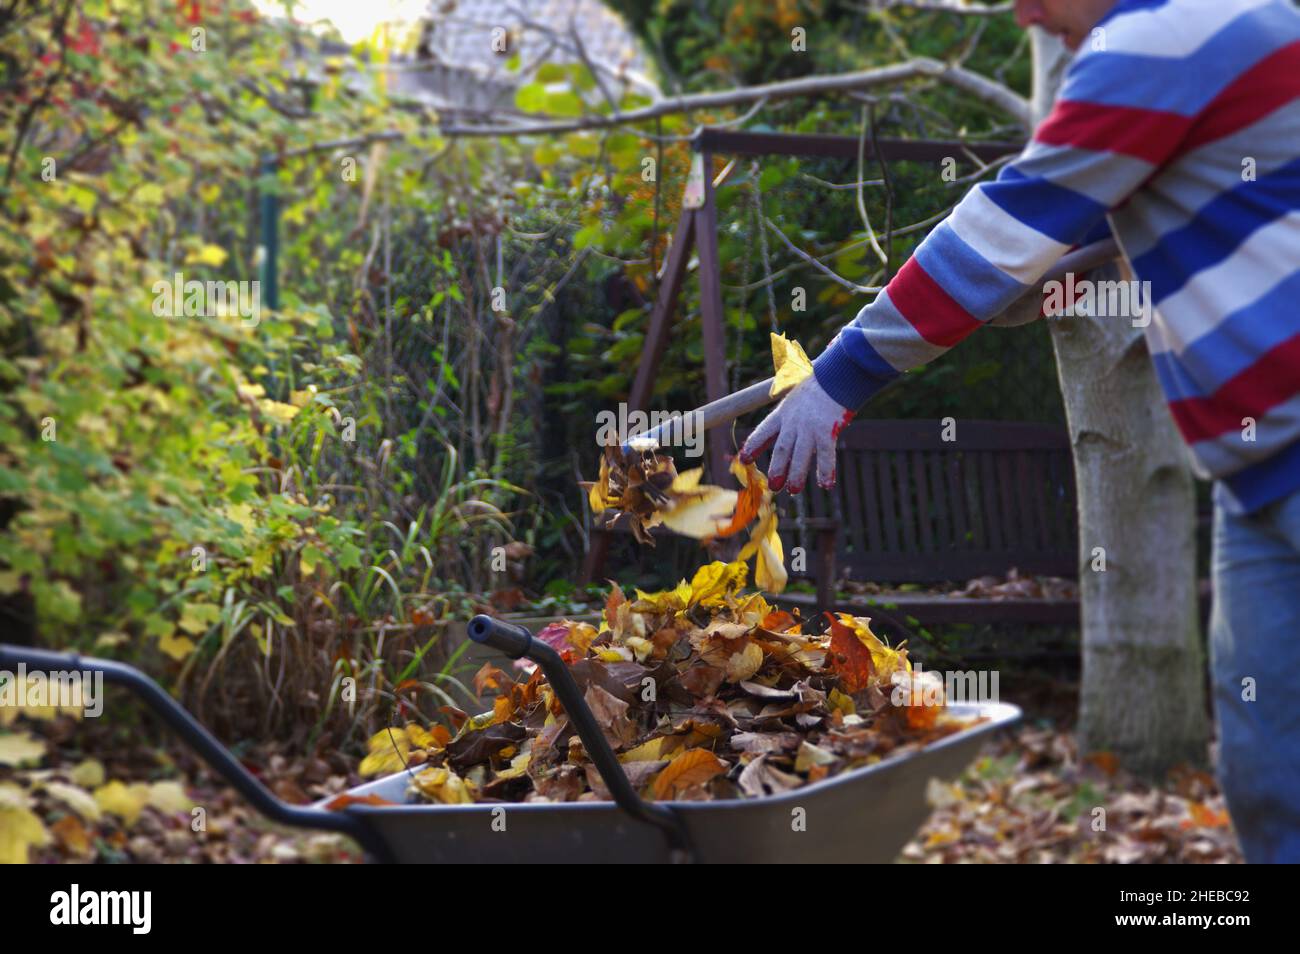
72 834
692 767
1106 761
1205 817
850 659
777 621
489 677
748 500
343 801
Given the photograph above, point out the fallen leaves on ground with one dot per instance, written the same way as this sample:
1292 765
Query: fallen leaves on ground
1032 799
64 806
704 691
1014 586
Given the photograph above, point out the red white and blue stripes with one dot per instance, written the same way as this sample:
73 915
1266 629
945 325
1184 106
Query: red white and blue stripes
1182 134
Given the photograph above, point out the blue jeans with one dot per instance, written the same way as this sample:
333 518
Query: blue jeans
1255 659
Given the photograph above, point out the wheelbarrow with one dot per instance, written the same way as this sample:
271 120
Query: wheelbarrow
864 815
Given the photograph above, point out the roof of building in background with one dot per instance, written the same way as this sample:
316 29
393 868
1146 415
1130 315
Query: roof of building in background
460 33
462 70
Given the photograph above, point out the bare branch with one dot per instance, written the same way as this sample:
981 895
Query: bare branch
786 89
959 7
826 270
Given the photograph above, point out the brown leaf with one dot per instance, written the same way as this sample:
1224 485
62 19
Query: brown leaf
849 658
490 677
611 716
693 767
758 778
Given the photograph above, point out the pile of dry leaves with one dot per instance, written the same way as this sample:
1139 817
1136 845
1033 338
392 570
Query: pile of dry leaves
705 691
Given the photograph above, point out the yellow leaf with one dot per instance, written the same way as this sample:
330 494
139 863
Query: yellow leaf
744 664
169 797
111 640
197 617
175 647
20 829
88 774
651 751
390 751
789 362
208 255
150 193
125 801
279 411
686 481
420 737
842 701
76 798
443 785
715 581
518 764
810 755
19 747
765 545
598 496
702 513
241 514
665 601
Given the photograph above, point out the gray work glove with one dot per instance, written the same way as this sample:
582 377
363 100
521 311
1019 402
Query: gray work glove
805 423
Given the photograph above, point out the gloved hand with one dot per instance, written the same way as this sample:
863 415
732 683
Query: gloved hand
805 423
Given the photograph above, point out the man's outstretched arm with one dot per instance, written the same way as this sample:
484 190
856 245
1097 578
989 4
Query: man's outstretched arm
1086 157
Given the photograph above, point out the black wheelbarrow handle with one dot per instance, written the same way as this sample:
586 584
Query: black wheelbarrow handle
202 742
516 641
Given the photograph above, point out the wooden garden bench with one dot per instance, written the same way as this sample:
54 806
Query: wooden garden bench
911 507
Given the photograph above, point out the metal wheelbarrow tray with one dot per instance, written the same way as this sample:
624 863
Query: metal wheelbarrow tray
864 815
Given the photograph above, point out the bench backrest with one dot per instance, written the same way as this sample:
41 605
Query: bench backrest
913 507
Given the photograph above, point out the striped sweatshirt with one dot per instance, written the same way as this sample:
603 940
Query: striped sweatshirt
1179 131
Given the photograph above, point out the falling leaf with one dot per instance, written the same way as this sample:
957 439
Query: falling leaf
790 363
769 567
693 767
752 495
702 514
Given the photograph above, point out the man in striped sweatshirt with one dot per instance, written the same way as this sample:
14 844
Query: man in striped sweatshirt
1178 128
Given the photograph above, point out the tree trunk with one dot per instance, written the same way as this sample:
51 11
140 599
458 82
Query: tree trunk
1143 692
